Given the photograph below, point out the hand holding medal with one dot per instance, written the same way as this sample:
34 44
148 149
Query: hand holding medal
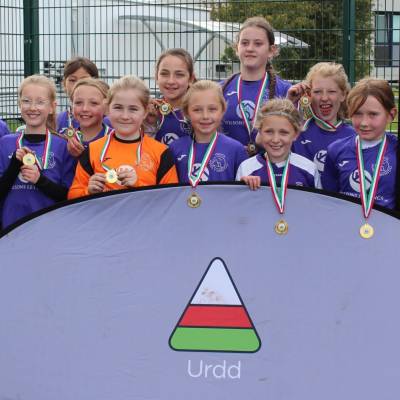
96 183
29 159
74 146
127 175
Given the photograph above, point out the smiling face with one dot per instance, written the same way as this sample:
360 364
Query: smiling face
276 136
371 118
254 49
127 113
71 80
35 105
173 78
205 112
88 107
326 98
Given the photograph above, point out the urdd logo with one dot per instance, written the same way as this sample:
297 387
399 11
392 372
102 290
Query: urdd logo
215 320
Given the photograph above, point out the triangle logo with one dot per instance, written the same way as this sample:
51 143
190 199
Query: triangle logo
215 319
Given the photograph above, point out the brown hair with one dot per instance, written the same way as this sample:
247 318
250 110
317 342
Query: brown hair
130 82
262 23
47 83
202 86
335 71
378 88
183 55
76 63
96 83
282 108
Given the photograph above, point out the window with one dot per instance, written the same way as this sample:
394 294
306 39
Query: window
387 40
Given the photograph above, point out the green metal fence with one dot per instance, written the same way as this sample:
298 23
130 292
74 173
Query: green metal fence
127 36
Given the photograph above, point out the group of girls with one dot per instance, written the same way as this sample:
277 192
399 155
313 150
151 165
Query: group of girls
254 127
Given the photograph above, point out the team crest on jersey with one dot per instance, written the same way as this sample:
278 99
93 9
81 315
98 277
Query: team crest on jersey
146 163
319 160
354 180
386 168
218 162
248 108
168 138
206 173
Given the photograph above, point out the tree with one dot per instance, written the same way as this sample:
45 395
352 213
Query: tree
319 23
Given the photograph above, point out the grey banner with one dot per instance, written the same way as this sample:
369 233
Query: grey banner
138 296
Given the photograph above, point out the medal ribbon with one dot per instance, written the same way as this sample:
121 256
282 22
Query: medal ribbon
162 116
250 123
278 194
195 179
368 197
324 124
107 145
42 163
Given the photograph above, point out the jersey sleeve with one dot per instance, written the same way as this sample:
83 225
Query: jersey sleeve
166 172
330 176
80 183
240 173
317 180
241 155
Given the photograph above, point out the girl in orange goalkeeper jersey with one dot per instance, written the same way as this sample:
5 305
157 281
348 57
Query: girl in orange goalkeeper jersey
126 158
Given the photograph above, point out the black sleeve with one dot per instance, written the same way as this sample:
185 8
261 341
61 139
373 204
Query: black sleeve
53 190
9 176
166 163
84 160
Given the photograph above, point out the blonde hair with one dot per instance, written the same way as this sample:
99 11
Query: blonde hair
200 86
130 82
280 107
335 71
44 81
92 82
378 88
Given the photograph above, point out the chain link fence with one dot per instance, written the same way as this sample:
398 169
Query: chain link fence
126 37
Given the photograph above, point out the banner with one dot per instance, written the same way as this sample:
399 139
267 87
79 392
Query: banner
136 295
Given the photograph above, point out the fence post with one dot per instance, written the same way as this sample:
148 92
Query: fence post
349 43
31 37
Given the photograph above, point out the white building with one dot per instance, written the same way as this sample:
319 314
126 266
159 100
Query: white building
122 37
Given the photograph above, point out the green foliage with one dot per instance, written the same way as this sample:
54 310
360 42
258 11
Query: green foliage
319 23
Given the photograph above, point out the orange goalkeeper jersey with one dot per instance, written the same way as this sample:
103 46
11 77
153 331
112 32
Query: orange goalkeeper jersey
156 165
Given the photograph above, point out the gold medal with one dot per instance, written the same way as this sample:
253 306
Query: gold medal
29 159
111 176
251 149
305 101
165 108
281 227
70 133
194 200
366 231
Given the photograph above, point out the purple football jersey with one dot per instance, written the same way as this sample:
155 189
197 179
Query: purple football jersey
24 197
313 142
172 127
228 154
233 124
341 170
302 172
3 129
